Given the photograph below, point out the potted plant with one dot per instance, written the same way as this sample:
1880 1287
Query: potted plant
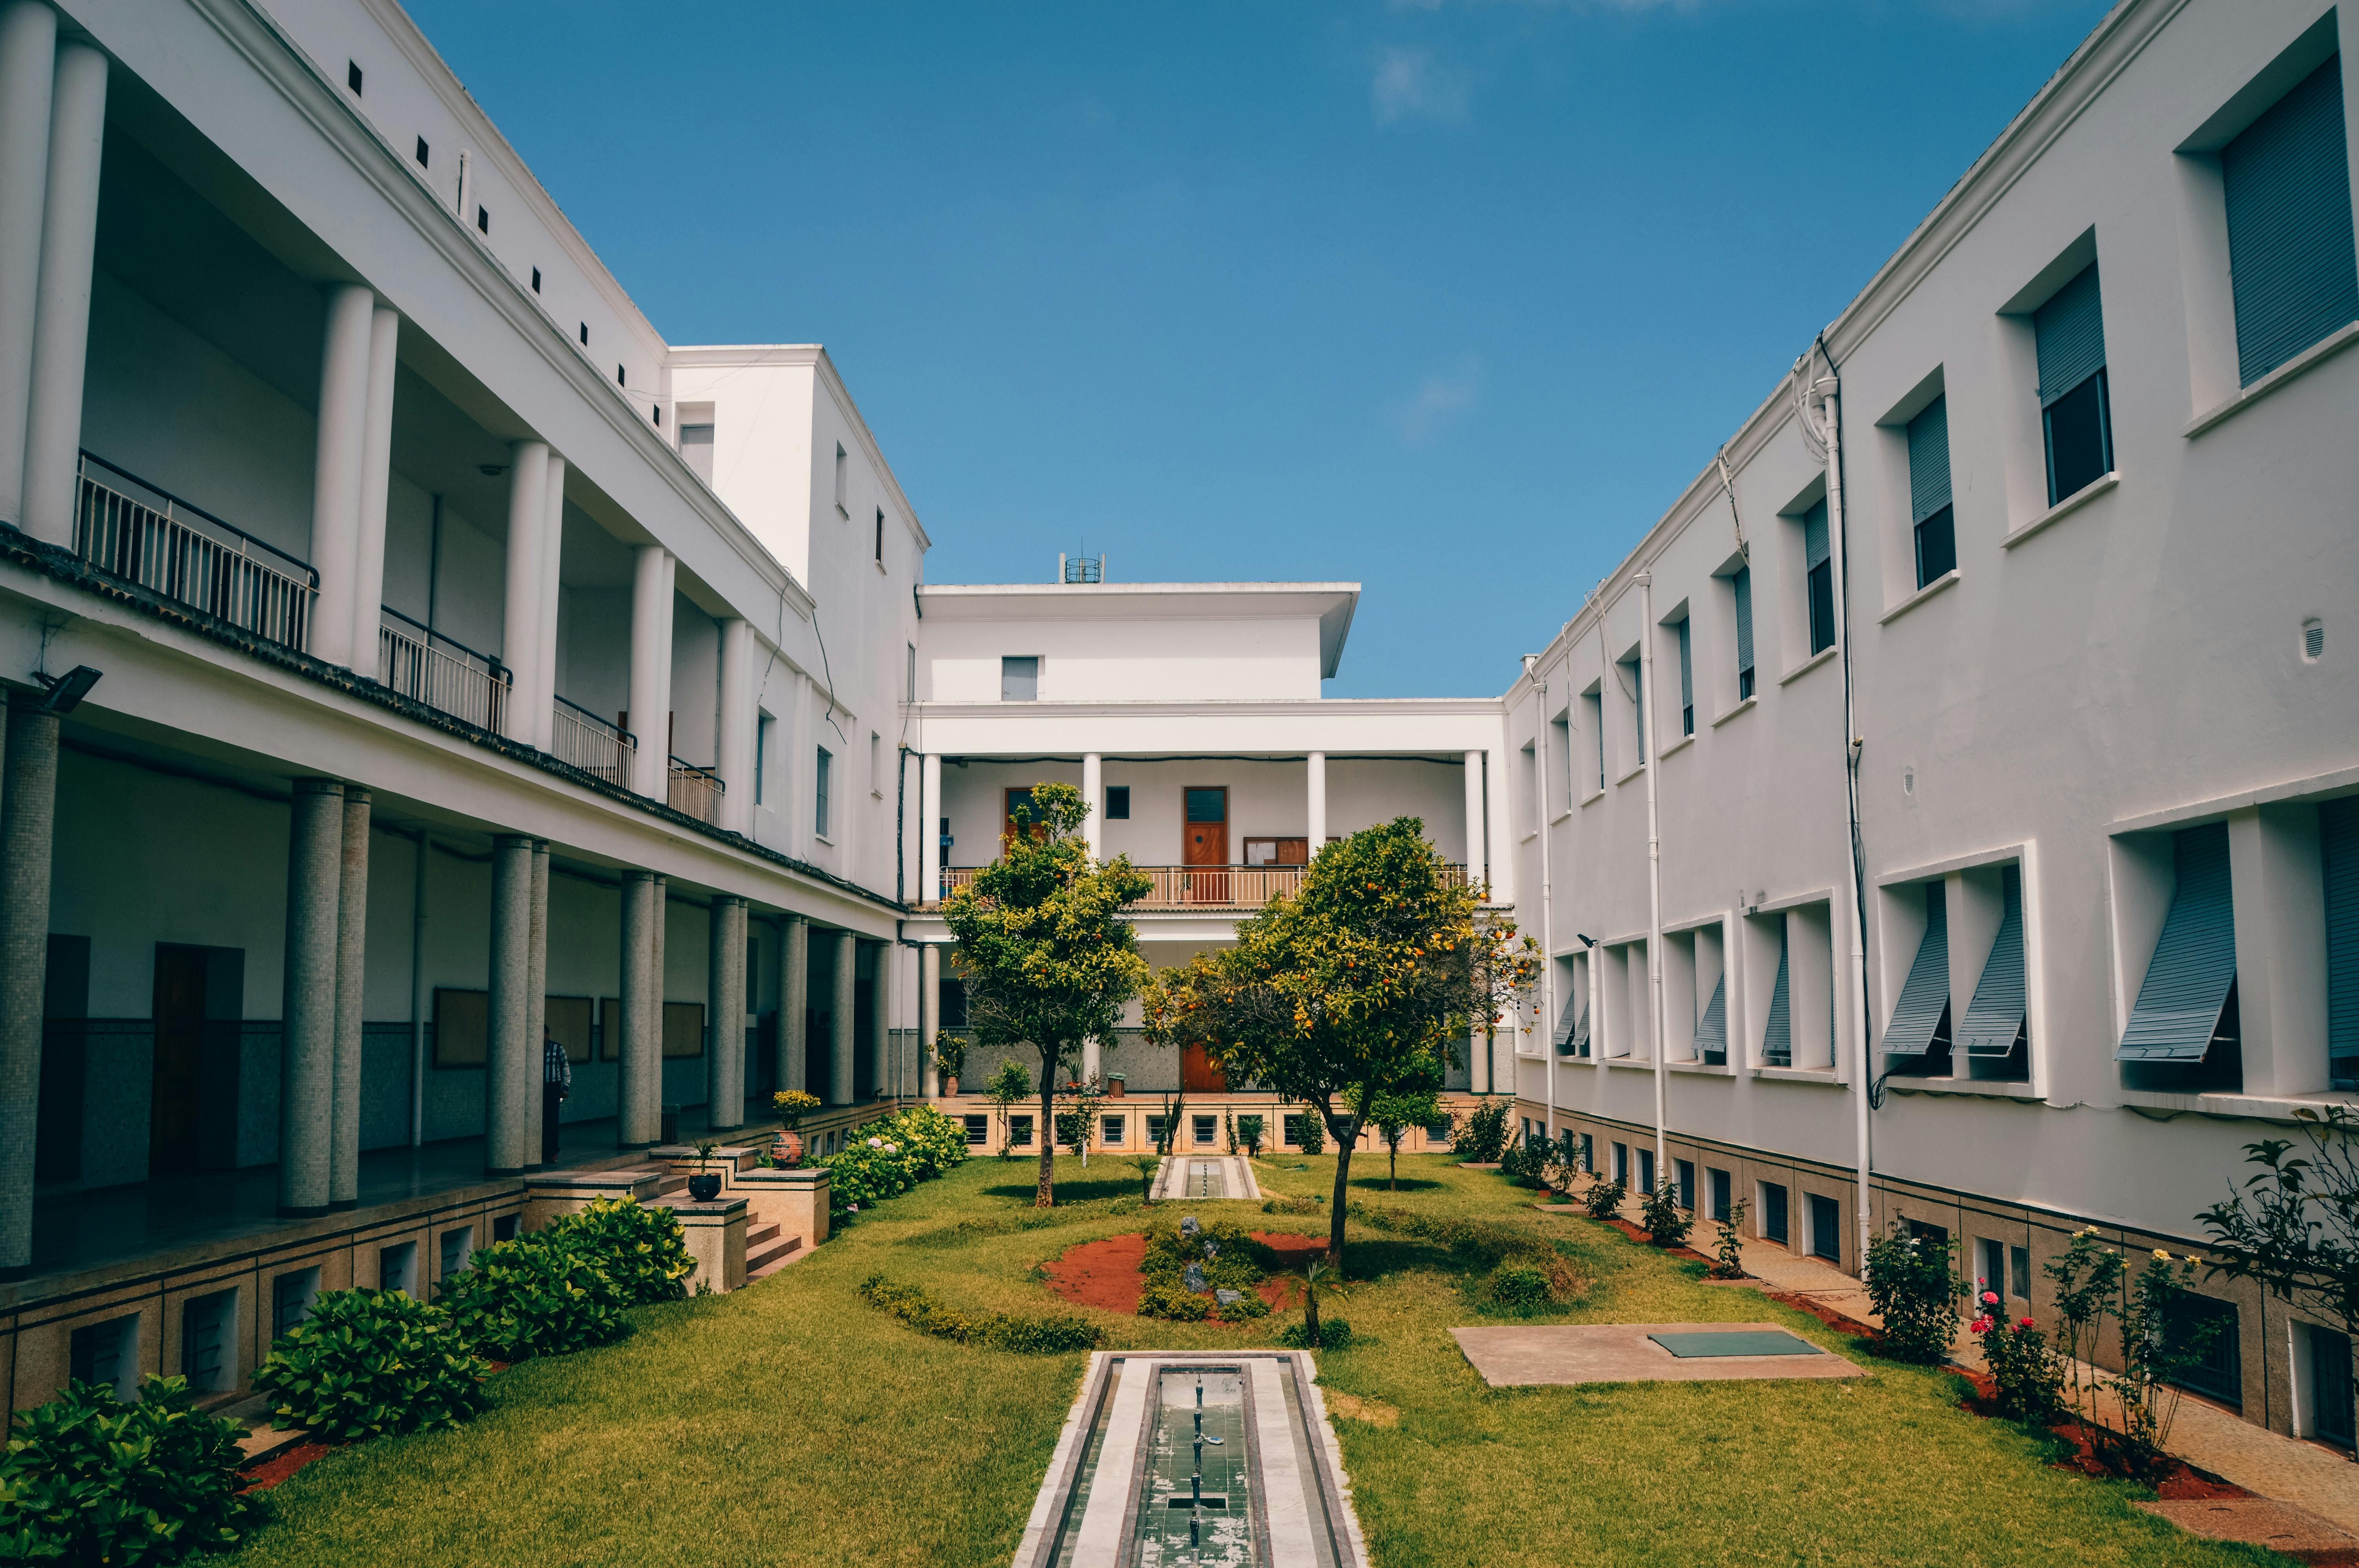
1115 1088
793 1106
949 1056
705 1186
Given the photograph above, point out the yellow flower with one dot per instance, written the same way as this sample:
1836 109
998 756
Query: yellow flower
2161 1256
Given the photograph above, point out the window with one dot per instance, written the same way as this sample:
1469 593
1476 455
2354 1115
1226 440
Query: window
1826 1228
762 725
1117 802
2018 1271
1110 1130
396 1269
1155 1132
1289 1128
1019 677
843 478
1559 757
2219 1372
913 673
1819 579
1740 583
1921 1018
2074 411
503 1229
1647 1172
484 219
1683 1177
1205 1128
1990 1273
206 1326
423 158
823 783
618 376
880 535
1592 709
876 765
1996 1028
108 1354
1930 511
2331 1413
585 334
1711 1025
1622 1163
2338 836
696 448
291 1295
536 280
1777 1039
352 76
1634 686
1019 1131
1687 679
1589 1153
2186 1014
458 1246
2291 265
978 1130
1717 1182
1773 1213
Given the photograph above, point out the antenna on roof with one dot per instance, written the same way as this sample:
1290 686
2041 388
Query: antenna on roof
1081 569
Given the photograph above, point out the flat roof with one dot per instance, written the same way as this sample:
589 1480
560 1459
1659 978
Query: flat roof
1332 602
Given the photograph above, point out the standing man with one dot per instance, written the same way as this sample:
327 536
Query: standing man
556 1088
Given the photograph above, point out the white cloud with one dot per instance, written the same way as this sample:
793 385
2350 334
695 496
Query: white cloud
1411 84
1440 401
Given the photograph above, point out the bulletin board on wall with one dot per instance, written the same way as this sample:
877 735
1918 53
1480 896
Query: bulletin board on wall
683 1029
569 1024
462 1028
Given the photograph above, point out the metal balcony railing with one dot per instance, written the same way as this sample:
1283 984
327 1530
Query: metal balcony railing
583 739
1200 887
696 791
446 675
130 529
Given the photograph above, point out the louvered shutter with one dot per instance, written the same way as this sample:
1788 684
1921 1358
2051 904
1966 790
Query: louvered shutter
2071 331
1687 668
1929 461
2194 961
1711 1029
1742 583
1573 1032
1814 536
1994 1017
1927 990
1778 1040
2338 832
2291 259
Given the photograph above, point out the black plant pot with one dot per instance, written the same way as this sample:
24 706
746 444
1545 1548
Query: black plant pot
704 1189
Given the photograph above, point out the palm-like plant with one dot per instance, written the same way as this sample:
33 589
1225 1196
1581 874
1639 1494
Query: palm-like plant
1311 1274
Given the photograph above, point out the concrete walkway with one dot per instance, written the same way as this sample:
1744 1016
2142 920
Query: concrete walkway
2286 1469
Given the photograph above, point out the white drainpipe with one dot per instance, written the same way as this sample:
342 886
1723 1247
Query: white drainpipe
1650 751
1548 900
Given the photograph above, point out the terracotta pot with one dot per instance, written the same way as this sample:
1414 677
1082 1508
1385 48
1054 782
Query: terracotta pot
950 1083
1114 1088
786 1151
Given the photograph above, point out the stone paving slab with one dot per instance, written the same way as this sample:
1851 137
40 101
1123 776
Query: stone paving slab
2280 1526
1547 1354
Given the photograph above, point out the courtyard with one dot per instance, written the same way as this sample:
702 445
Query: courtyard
788 1422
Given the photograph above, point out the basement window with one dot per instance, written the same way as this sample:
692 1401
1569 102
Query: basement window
536 280
352 76
423 159
619 379
484 219
585 334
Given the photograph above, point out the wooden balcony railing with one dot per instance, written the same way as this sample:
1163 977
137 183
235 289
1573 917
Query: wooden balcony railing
1200 887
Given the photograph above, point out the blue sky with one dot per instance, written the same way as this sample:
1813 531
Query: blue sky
1448 299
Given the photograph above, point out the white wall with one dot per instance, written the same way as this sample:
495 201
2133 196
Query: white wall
1124 656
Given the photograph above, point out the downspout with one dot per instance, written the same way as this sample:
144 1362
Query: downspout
1548 900
418 998
1649 748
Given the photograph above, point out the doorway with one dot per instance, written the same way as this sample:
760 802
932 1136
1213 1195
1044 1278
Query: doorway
192 1117
1204 842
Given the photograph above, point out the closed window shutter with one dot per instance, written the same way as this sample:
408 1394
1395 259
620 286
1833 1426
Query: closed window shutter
2291 259
1995 1015
1742 583
2338 826
2194 962
1777 1041
1711 1029
1927 990
1814 536
2071 331
1929 461
1687 669
1573 1032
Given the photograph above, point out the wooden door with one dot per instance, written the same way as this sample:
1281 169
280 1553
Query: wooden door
1199 1075
1014 799
1205 841
180 1018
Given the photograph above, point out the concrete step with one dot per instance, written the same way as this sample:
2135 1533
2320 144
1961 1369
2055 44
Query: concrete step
774 1257
759 1234
672 1185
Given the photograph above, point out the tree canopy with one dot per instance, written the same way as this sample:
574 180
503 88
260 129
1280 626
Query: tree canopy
1357 986
1048 960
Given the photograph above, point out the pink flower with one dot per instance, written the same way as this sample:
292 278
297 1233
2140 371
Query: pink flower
1989 1299
1980 1325
2025 1323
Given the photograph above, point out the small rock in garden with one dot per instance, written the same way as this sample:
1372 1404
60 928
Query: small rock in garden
1194 1279
1188 1226
1211 1248
1228 1298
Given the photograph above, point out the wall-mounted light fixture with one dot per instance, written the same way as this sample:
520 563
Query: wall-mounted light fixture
66 691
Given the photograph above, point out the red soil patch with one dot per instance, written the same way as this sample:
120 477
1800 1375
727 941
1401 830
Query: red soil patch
281 1465
1105 1274
1638 1233
2175 1481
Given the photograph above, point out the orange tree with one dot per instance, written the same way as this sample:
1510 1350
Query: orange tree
1355 988
1048 960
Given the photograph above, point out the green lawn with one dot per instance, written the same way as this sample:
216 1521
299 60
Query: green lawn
791 1423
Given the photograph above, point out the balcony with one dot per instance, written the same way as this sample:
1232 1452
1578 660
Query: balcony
1207 888
129 529
448 677
695 790
580 739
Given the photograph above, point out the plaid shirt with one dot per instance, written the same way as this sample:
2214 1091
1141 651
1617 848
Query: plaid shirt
554 1067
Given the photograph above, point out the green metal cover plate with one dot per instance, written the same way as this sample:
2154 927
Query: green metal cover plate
1736 1342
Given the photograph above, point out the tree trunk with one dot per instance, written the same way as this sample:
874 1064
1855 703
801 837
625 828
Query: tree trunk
1310 1313
1392 1169
1343 1143
1045 1196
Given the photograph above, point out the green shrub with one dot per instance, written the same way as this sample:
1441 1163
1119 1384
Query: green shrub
919 1307
1603 1199
1483 1140
1520 1285
534 1296
88 1479
1916 1291
370 1364
1334 1334
1314 1133
1666 1224
1231 1261
1524 1162
889 1156
1284 1204
1173 1303
641 1249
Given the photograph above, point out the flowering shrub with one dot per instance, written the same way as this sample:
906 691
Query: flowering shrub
887 1158
2028 1376
1916 1291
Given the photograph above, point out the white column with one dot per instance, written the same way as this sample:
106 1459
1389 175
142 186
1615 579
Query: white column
336 467
61 318
725 1006
651 580
930 830
352 972
640 1057
520 605
735 750
1094 796
28 57
1093 1058
536 994
1477 848
511 1062
377 475
929 1015
1318 803
553 553
794 1003
841 1043
306 1043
